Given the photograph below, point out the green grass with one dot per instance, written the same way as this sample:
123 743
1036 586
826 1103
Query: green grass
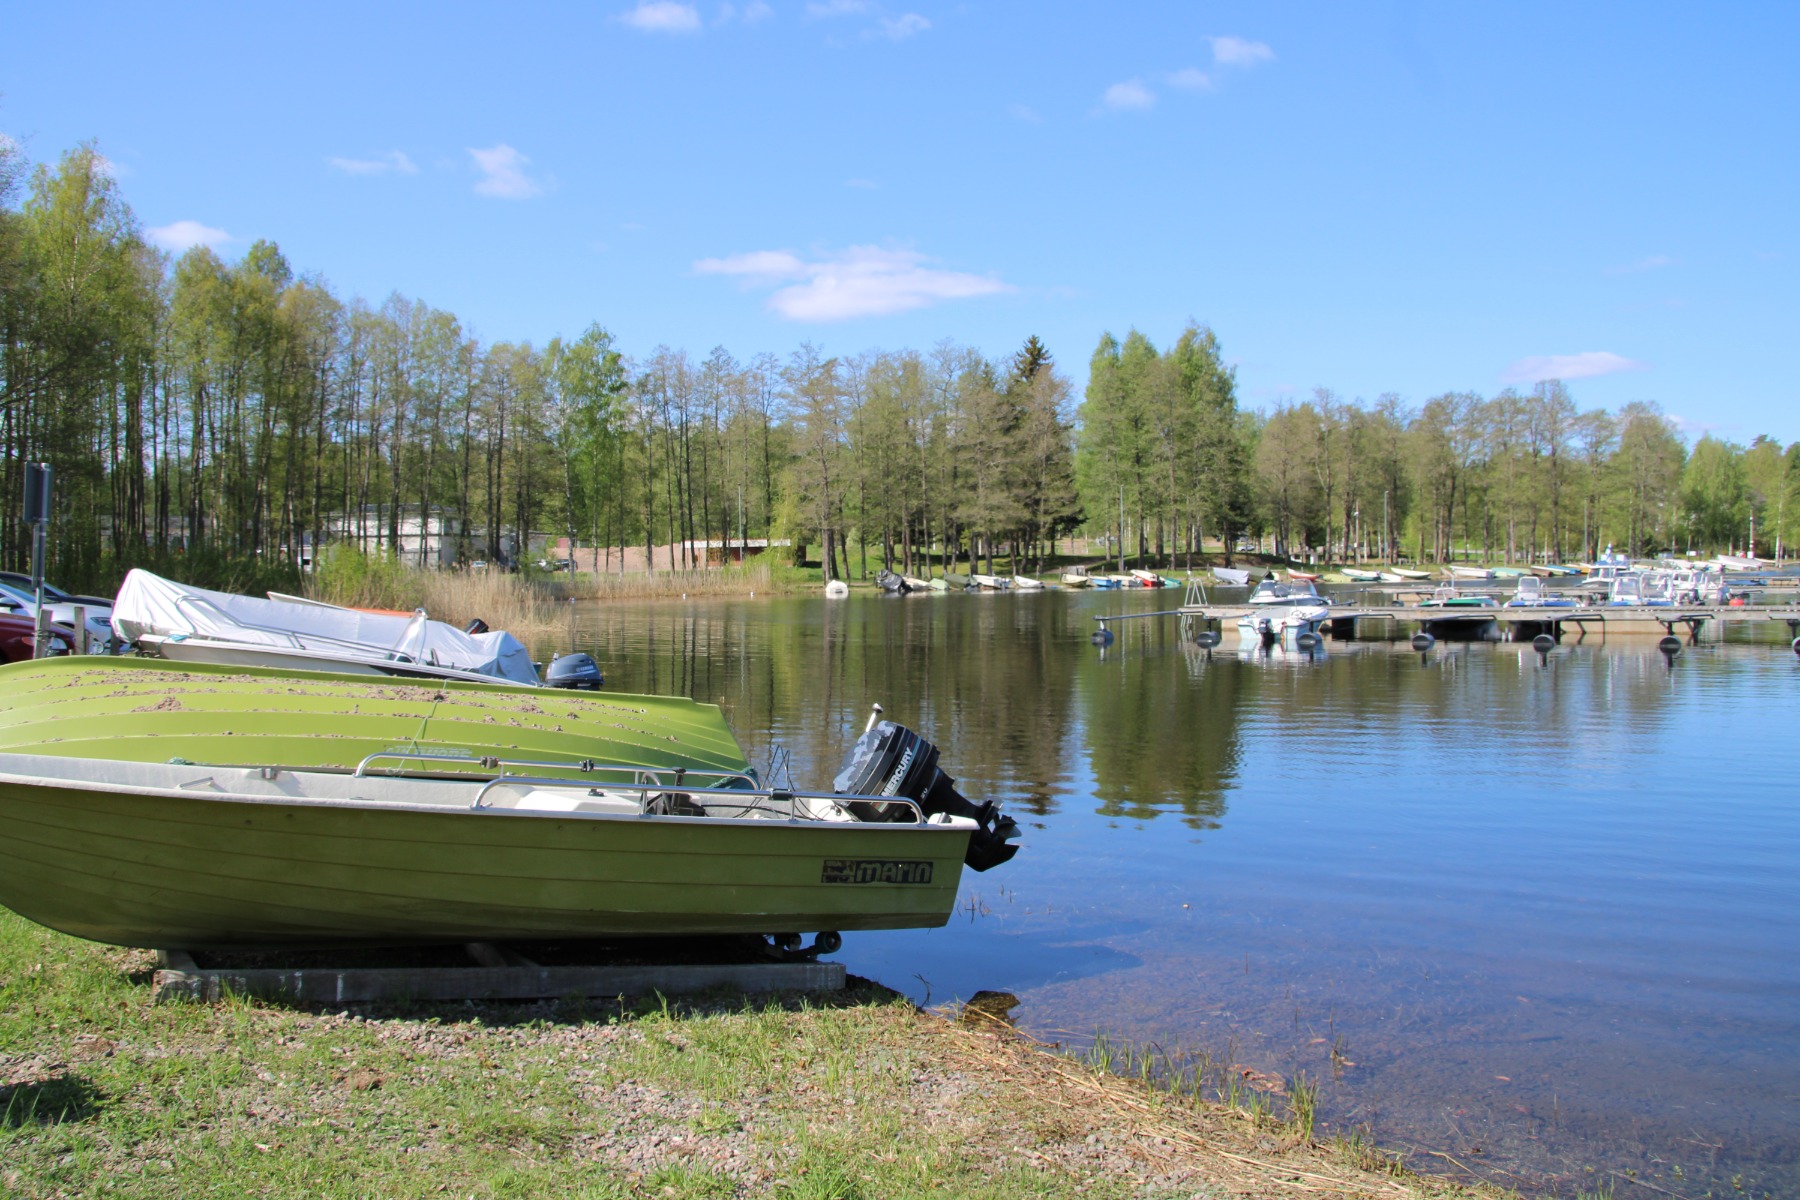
104 1094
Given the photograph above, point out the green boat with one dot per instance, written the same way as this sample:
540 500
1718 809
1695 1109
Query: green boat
190 807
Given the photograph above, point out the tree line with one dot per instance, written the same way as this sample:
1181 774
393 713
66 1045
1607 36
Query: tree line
199 411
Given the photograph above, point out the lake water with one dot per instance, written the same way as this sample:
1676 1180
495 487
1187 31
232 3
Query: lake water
1527 917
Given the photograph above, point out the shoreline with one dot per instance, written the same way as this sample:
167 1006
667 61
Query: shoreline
857 1095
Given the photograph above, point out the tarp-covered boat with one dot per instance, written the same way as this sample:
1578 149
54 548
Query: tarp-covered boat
190 624
148 804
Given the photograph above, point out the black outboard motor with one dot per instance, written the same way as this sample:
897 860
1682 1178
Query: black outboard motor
574 671
892 760
477 625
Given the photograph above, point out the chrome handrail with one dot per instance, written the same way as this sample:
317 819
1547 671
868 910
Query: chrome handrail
586 766
736 795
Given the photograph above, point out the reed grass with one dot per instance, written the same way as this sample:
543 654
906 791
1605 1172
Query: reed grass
755 578
529 607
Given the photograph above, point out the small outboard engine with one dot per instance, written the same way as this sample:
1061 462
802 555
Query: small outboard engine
574 671
892 760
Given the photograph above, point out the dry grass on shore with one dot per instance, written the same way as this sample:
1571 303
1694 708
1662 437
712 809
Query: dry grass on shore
528 609
750 579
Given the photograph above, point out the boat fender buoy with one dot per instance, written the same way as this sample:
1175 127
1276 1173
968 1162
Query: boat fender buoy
1210 638
1796 645
1543 643
1670 645
1423 641
1307 641
1102 637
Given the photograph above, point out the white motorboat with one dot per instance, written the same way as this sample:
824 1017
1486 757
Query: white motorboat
1531 593
1078 578
1361 575
1232 576
1025 583
1409 573
1466 571
914 583
990 583
836 589
1283 611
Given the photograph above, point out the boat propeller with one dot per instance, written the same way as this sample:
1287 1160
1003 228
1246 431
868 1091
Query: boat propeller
892 760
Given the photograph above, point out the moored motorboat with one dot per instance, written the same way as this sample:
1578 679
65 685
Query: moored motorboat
1232 576
890 581
1283 611
1530 593
1412 573
1025 583
1077 578
202 807
836 589
914 583
991 583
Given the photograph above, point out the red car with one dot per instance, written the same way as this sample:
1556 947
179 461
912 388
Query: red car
16 633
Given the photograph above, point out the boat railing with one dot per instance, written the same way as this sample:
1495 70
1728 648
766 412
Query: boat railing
737 781
649 789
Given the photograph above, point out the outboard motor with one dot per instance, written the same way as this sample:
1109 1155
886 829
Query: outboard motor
892 760
477 625
574 671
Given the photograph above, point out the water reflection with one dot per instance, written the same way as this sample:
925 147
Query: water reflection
1534 904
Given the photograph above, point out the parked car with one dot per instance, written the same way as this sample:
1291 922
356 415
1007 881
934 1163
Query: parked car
22 582
15 638
98 616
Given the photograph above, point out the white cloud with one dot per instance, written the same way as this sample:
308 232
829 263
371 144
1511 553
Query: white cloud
898 29
1123 97
185 235
863 281
1024 112
1586 365
1237 52
106 168
663 16
394 161
503 173
1191 79
756 11
837 8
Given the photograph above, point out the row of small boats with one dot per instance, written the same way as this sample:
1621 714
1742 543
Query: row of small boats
893 582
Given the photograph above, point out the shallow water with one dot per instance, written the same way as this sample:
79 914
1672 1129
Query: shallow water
1528 917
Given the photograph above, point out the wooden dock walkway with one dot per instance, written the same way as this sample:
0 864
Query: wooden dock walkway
1650 620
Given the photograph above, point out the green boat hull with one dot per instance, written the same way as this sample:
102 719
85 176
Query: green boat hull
148 710
181 808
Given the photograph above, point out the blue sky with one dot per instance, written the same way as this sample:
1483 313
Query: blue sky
1397 197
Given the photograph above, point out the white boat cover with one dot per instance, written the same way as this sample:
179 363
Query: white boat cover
151 604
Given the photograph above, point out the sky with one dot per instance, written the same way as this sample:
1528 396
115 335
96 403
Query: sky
1388 197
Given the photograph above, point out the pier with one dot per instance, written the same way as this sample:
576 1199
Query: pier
1497 622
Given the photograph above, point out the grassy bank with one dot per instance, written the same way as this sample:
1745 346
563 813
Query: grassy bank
104 1094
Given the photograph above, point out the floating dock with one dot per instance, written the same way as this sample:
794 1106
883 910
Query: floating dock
1698 622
